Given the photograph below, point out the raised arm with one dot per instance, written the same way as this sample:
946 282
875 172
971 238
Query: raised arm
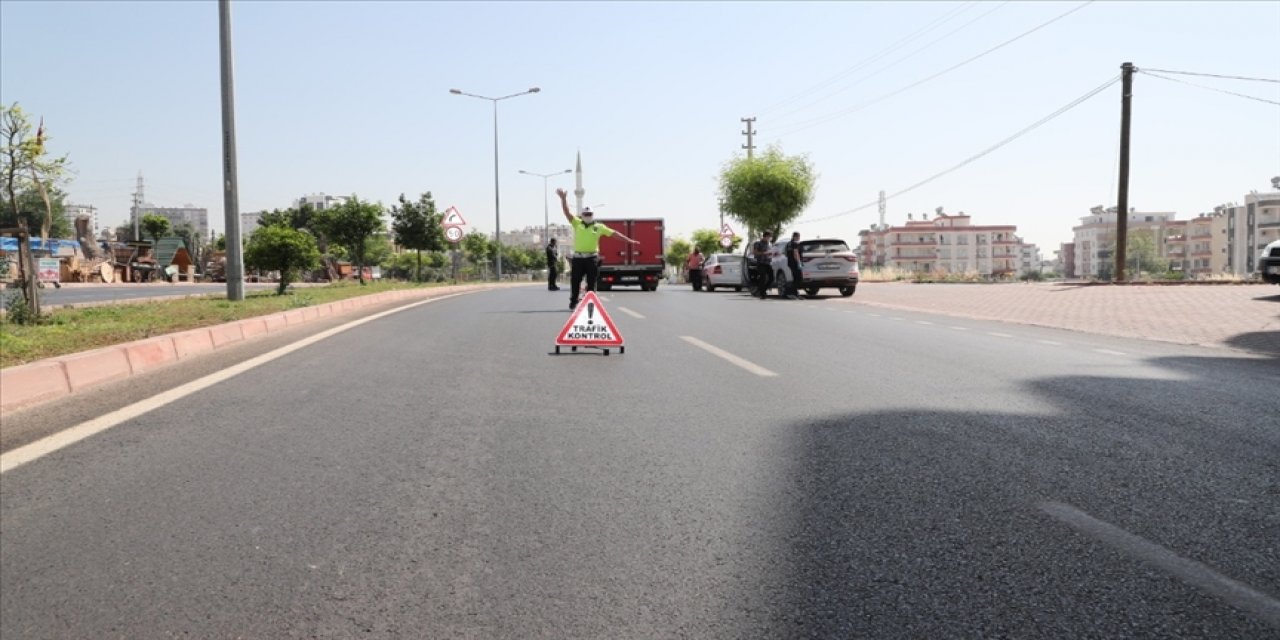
564 204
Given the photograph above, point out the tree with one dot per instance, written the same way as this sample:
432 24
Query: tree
417 227
477 247
767 191
30 206
708 242
24 165
155 226
678 252
349 224
281 248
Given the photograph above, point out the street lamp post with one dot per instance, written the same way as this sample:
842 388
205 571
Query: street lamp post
497 209
546 221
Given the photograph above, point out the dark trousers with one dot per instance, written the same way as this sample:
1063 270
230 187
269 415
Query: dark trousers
764 275
551 275
578 268
695 278
797 278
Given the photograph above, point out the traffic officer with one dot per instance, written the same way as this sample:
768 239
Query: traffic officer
553 266
586 248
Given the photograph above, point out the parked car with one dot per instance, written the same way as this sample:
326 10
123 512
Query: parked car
826 263
1269 263
722 270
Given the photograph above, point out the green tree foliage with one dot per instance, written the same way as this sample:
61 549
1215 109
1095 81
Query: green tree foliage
477 247
25 165
768 191
31 210
349 225
708 241
678 252
284 249
417 227
155 226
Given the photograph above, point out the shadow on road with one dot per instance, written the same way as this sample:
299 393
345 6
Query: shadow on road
927 524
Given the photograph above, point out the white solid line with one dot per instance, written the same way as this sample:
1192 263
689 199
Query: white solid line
923 322
1237 594
1056 344
874 315
45 446
960 328
1111 353
717 351
999 335
630 313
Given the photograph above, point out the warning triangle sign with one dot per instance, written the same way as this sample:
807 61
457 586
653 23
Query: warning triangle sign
452 218
726 230
589 325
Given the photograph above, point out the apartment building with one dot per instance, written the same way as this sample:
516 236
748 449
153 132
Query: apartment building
197 217
319 201
73 211
1095 237
1241 230
948 244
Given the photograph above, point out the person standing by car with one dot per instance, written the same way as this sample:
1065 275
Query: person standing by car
553 265
585 262
694 266
762 251
793 264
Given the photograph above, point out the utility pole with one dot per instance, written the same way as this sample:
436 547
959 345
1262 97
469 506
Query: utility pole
1122 207
138 199
882 208
750 134
230 187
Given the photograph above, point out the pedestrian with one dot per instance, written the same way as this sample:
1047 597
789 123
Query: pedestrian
553 265
585 262
762 250
694 266
793 264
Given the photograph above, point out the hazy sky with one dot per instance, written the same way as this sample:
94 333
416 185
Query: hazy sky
353 97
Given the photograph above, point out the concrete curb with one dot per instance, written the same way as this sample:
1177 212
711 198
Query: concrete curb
33 384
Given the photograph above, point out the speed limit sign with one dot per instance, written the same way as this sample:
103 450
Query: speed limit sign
726 241
453 234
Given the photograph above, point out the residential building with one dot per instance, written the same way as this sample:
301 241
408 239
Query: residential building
1066 260
1095 237
249 222
197 217
948 244
319 201
73 211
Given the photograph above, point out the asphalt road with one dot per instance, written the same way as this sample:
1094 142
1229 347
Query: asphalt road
106 293
748 469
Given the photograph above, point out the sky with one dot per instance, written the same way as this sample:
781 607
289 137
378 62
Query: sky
353 98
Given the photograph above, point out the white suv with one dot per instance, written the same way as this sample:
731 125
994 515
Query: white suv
1269 263
825 263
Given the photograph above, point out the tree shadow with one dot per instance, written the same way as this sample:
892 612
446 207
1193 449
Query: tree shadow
929 523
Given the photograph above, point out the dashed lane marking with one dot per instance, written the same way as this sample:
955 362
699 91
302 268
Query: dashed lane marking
1237 594
717 351
630 313
1110 352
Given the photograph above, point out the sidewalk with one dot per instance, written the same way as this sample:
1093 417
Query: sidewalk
1245 317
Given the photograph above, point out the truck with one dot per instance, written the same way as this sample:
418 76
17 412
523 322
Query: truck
640 264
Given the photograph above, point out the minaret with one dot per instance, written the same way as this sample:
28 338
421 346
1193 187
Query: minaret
578 192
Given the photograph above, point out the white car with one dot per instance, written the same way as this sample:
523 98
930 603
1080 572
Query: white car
1269 263
826 263
722 270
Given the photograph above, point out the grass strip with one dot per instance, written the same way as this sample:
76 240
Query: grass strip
66 330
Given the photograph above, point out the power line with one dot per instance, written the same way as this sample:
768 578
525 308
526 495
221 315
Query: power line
892 64
1230 93
876 56
1069 106
1211 75
823 119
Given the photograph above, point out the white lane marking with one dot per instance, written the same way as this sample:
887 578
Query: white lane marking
960 328
999 335
1056 344
874 315
923 322
1237 594
630 313
717 351
45 446
1110 352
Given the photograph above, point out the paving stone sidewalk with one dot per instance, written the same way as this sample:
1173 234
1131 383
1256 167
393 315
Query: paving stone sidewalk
1244 317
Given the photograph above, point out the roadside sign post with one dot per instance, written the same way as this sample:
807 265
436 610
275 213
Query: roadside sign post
453 222
726 236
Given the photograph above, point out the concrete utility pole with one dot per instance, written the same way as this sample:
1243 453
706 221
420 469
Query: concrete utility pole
138 199
578 191
750 134
1122 207
231 192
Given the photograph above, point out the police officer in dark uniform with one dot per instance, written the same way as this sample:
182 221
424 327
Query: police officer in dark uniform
553 264
793 265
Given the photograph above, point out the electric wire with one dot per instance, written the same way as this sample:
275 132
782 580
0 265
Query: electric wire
901 42
1069 106
1230 93
891 64
1213 75
801 126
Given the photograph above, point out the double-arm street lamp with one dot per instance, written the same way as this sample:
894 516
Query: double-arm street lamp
497 209
546 222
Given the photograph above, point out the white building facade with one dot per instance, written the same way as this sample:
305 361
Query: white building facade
949 244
